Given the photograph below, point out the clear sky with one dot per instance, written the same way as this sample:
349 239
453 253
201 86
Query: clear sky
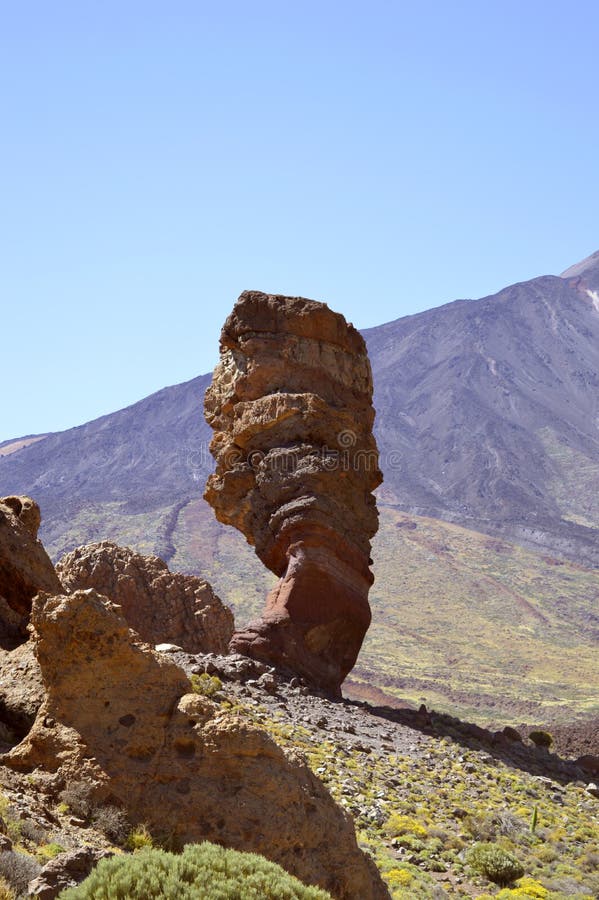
157 158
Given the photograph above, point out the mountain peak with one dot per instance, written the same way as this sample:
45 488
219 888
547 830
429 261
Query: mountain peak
588 266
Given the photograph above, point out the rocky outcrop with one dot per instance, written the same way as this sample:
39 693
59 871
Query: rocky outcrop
296 463
160 605
123 719
64 871
25 567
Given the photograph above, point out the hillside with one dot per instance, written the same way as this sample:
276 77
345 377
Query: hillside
487 425
488 414
483 626
422 791
458 623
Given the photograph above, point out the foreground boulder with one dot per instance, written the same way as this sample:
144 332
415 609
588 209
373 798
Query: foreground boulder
64 871
121 718
296 464
25 567
161 606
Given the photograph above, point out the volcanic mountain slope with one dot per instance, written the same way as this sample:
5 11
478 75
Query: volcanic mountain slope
487 417
129 473
488 412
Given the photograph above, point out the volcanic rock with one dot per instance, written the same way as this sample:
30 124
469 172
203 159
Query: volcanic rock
64 871
21 688
25 567
122 718
296 463
161 606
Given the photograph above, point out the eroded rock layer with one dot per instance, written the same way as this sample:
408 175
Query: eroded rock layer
160 605
296 463
121 718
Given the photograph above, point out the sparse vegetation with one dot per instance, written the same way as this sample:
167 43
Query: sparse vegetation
112 822
206 685
140 838
49 851
528 622
419 814
77 797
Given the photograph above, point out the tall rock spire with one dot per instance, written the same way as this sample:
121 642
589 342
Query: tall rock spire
296 464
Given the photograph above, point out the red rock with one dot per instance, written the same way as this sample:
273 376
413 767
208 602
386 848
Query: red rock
296 464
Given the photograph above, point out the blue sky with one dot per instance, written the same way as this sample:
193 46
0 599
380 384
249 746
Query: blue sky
385 157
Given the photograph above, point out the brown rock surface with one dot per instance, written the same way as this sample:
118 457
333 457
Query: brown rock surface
160 605
64 871
25 567
296 463
120 716
21 688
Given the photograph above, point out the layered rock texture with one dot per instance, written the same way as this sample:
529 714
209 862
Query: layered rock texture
296 464
25 567
159 605
122 718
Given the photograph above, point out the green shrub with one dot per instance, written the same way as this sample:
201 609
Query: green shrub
139 838
206 685
496 864
541 738
409 842
46 852
202 870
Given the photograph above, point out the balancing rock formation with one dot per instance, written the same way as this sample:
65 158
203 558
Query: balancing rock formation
296 463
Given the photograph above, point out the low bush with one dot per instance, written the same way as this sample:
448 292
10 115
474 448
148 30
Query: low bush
206 685
78 798
139 838
397 825
49 851
496 864
541 738
399 877
112 822
526 889
18 869
201 870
